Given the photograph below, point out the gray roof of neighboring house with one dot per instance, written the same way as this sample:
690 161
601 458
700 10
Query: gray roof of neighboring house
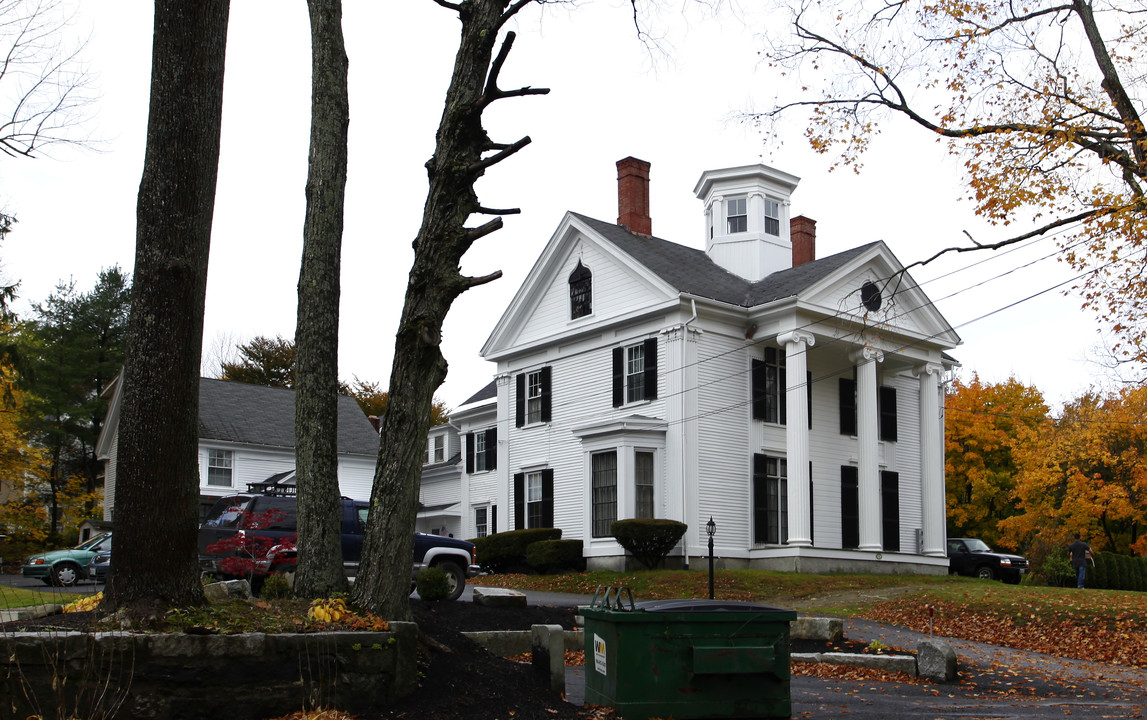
259 415
490 392
692 272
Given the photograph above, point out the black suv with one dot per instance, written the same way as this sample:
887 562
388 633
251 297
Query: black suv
972 557
271 517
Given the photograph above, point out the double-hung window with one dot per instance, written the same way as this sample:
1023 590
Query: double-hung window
769 387
219 468
479 452
534 397
438 449
534 499
604 483
772 217
481 522
635 373
643 484
737 215
770 500
482 450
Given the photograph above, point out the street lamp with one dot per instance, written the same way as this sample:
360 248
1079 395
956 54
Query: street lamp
711 529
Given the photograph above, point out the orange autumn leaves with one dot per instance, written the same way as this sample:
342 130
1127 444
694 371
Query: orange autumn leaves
1016 475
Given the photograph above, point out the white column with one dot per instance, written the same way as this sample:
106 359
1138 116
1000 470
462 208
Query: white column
932 498
504 473
868 452
796 346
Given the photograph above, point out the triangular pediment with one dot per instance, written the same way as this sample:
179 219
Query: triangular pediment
873 290
620 289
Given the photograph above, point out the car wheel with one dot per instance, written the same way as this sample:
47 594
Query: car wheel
65 574
985 572
455 578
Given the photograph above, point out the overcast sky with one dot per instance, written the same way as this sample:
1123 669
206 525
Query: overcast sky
610 98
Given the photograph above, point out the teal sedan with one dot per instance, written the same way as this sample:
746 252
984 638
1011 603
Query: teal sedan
64 568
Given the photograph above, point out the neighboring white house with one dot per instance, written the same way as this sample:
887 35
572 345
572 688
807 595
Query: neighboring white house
247 436
796 401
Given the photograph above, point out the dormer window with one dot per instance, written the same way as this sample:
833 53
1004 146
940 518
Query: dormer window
772 217
581 292
738 215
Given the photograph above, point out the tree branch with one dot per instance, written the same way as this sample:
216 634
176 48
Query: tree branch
448 5
476 281
499 211
498 157
492 92
482 230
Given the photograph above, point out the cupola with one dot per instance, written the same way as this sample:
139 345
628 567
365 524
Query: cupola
747 228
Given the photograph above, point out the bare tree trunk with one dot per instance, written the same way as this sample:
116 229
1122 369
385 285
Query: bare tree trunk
157 490
320 572
418 369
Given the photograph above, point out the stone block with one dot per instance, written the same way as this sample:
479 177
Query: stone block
817 628
227 591
548 646
937 660
499 597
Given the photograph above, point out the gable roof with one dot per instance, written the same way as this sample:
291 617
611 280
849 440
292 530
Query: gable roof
691 271
259 415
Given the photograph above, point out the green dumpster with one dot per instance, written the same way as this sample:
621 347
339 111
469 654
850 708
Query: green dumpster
687 658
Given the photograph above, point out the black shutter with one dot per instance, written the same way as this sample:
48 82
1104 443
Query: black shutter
757 377
887 404
849 507
469 453
808 397
548 498
782 391
547 394
492 448
847 406
760 499
650 349
890 510
618 377
520 400
811 506
519 500
493 519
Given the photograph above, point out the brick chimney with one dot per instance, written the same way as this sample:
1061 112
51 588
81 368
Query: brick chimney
802 232
633 195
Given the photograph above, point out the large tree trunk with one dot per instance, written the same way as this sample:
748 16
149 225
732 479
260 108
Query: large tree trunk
157 479
418 368
320 568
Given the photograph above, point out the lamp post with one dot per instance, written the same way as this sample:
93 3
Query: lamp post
711 528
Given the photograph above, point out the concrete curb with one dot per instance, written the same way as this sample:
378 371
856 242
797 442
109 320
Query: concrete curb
28 613
887 663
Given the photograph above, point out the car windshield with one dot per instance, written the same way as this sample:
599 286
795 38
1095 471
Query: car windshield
977 546
94 543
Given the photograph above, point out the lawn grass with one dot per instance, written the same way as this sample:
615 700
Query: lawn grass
12 597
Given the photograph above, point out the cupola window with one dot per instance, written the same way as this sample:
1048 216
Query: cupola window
738 215
772 217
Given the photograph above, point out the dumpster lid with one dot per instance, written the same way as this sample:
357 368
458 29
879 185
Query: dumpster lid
706 606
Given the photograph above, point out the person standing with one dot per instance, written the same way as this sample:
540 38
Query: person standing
1080 553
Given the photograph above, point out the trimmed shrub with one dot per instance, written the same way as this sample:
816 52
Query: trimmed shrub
506 551
1055 570
432 584
275 587
647 539
548 556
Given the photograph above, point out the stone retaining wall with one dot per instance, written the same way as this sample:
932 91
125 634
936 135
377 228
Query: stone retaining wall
177 676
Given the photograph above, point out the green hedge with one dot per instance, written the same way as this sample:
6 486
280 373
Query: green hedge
648 539
506 551
1117 572
548 556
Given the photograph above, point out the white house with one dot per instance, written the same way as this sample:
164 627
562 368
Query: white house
247 437
795 400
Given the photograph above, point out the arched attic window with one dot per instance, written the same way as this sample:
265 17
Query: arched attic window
581 292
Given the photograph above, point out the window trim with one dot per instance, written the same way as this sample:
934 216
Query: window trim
742 217
482 529
621 374
640 488
581 292
604 496
772 223
229 455
770 500
521 415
